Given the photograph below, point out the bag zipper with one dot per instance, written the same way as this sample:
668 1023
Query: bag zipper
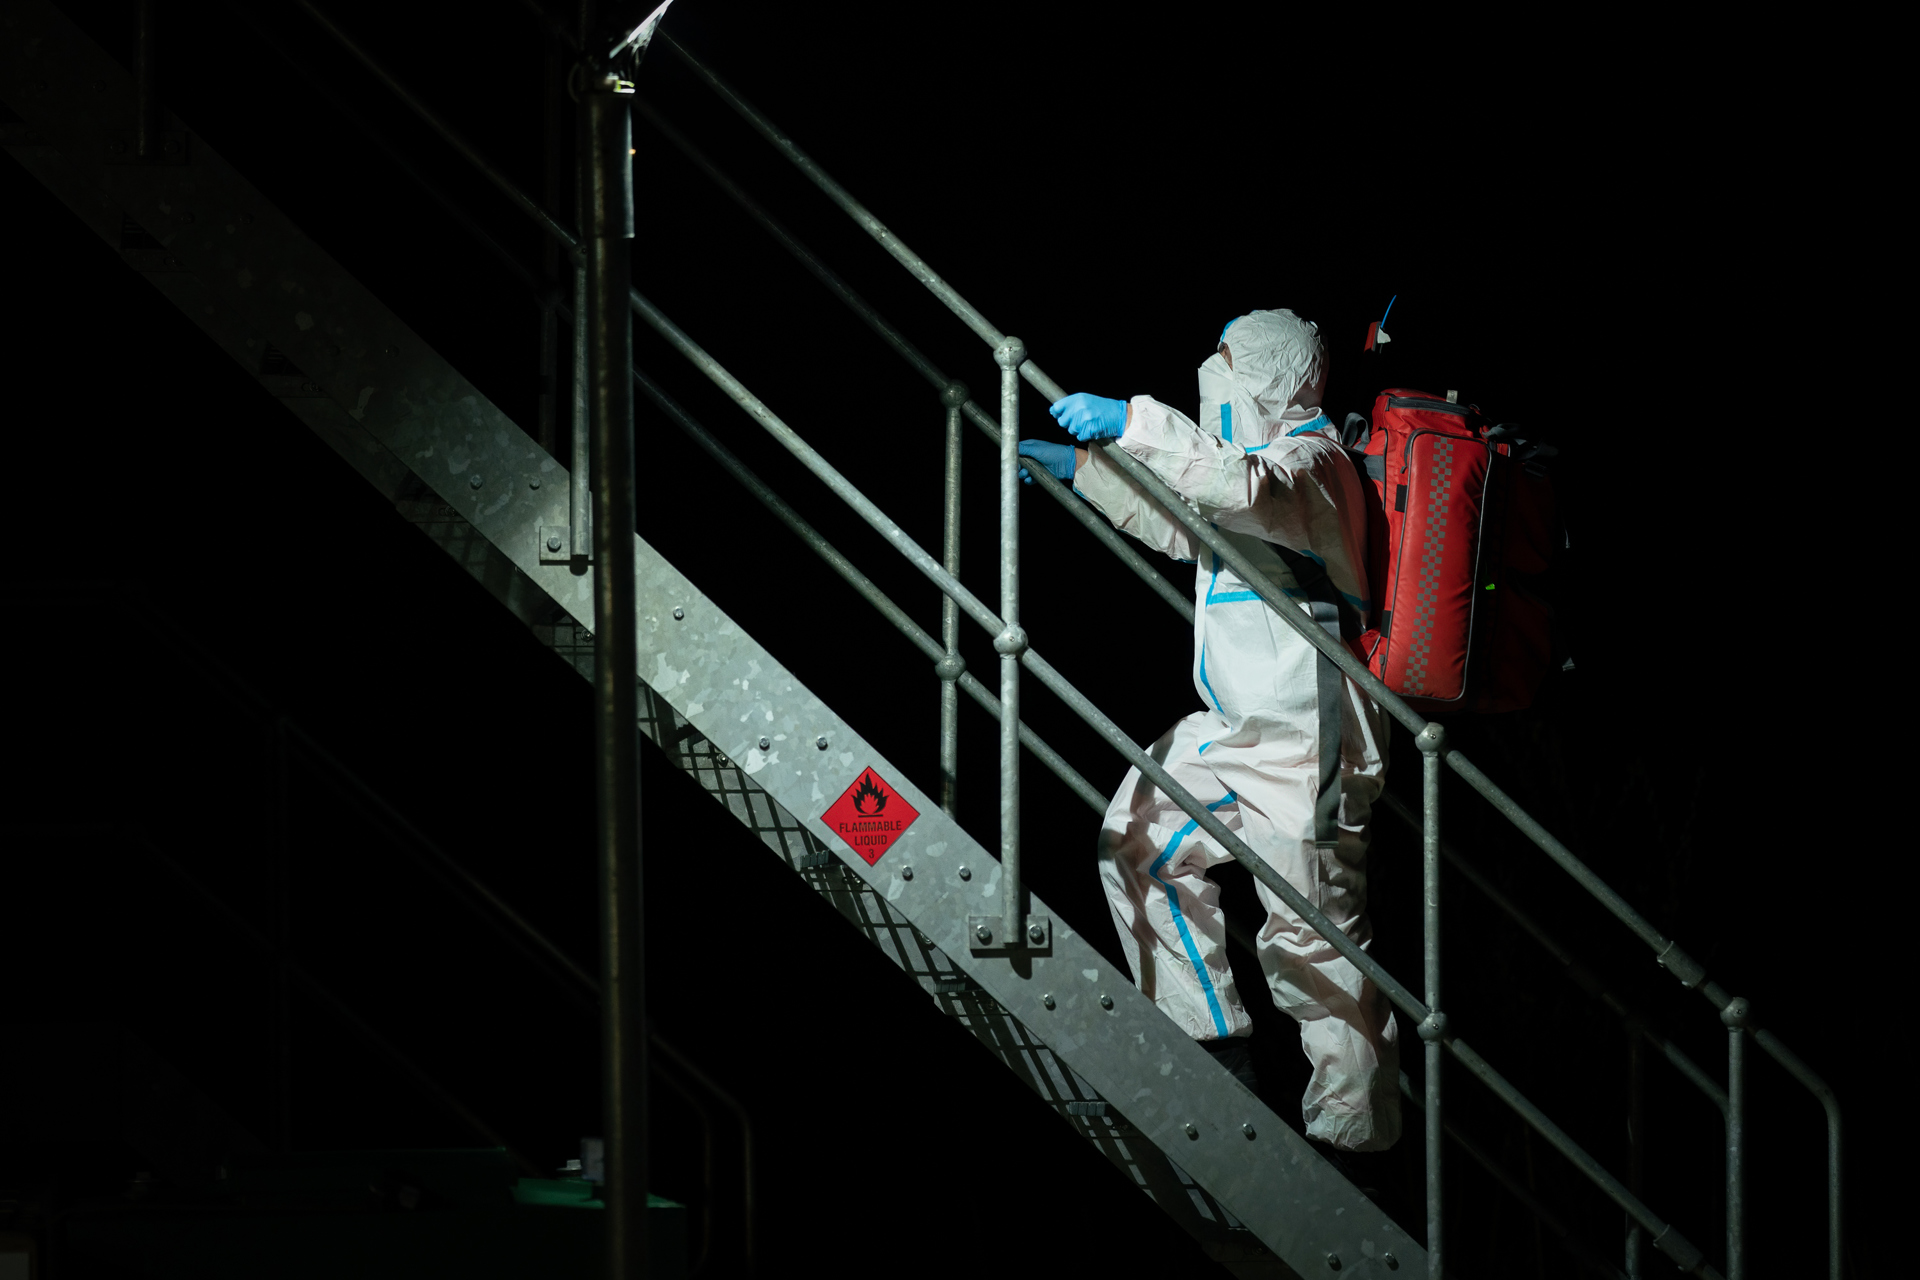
1437 406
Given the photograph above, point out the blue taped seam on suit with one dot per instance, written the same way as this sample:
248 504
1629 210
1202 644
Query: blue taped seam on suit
1180 919
1320 421
1232 597
1205 683
1226 423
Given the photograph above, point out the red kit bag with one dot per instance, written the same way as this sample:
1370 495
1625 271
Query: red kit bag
1463 530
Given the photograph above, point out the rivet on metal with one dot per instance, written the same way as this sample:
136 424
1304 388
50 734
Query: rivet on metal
984 934
966 874
906 873
1036 934
534 483
1193 1133
766 744
820 742
1333 1262
1393 1263
1106 1001
553 544
1248 1130
1047 1000
678 613
476 482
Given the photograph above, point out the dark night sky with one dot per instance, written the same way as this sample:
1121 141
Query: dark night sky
1586 236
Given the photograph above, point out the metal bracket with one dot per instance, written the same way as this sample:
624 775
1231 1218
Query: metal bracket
985 937
556 544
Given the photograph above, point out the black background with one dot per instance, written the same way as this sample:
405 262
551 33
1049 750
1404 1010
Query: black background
1614 242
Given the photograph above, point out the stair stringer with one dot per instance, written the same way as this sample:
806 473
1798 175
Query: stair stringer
242 270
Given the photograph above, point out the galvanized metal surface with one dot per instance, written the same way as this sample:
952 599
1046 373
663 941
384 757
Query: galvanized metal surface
1580 974
1668 951
580 485
950 665
1735 1016
252 279
941 653
734 692
1009 644
1433 1028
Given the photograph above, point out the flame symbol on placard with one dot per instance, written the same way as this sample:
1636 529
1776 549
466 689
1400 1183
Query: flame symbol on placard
868 799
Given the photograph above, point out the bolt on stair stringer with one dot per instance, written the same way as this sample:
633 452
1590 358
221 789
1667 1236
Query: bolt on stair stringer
1072 1027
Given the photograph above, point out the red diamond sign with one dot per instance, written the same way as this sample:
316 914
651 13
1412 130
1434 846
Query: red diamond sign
870 816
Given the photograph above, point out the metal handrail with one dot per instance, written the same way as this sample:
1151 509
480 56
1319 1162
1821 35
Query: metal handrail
1429 737
1733 1010
1433 1027
1563 1236
1581 976
1063 494
840 564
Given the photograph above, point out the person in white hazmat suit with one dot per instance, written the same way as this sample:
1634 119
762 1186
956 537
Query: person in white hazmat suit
1266 467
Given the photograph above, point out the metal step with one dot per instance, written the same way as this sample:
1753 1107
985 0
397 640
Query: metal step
769 751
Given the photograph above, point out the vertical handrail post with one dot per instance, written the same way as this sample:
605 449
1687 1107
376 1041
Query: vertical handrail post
1735 1017
580 493
1433 1030
609 333
1010 354
1636 1137
1834 1249
950 667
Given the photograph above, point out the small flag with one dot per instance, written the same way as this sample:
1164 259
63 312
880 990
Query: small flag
1377 331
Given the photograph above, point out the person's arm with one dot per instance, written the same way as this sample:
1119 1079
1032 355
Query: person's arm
1118 497
1282 493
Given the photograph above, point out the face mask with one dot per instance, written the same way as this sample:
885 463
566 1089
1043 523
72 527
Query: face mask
1226 410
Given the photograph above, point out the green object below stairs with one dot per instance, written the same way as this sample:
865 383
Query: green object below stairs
371 1215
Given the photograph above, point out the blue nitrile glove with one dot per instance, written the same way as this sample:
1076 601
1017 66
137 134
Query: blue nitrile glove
1056 458
1090 417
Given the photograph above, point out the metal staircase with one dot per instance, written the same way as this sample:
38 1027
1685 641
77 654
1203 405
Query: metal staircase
950 912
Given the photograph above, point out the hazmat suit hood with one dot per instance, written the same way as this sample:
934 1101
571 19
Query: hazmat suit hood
1276 355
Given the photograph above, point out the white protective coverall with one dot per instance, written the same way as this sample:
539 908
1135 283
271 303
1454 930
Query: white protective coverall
1263 470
